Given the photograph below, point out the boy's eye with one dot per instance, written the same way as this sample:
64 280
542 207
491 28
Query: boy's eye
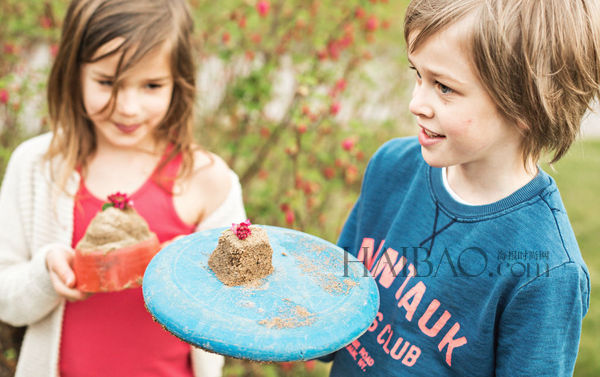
105 82
444 89
417 72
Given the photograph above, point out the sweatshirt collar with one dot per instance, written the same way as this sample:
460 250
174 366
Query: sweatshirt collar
459 210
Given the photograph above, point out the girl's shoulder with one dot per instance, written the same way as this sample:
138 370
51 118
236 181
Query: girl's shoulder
205 188
211 173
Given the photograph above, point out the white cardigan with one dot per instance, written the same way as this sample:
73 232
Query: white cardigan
34 215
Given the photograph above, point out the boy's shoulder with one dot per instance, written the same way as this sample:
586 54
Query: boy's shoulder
398 149
396 156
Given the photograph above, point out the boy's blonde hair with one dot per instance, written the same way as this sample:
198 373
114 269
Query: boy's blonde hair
144 25
539 60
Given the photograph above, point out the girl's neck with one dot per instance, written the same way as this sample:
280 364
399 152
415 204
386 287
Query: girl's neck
480 185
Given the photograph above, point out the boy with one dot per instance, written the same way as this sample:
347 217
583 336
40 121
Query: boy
478 269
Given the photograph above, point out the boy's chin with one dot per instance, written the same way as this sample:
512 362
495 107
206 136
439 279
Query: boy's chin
434 163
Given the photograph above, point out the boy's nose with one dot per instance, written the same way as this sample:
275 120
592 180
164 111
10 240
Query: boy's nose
419 105
128 102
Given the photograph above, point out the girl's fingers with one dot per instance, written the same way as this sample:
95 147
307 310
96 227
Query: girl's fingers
60 264
62 276
69 293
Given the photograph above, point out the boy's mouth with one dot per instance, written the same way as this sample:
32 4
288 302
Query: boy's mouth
431 134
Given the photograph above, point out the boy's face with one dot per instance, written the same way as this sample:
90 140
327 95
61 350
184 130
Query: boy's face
459 123
142 101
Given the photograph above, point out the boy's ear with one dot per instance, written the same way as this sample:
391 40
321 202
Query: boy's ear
522 126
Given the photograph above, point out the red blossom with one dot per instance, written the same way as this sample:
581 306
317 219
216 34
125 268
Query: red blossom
329 172
263 7
54 50
290 217
256 38
265 132
372 23
119 200
351 174
348 143
301 128
263 174
335 108
242 22
45 22
9 48
4 96
242 230
359 13
305 110
322 54
226 37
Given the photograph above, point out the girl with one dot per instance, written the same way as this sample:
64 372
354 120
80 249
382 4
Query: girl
121 95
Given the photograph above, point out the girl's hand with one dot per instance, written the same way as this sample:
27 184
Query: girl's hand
59 264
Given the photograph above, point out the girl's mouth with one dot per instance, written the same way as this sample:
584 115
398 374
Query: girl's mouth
127 128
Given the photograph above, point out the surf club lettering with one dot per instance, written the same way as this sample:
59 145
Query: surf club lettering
409 297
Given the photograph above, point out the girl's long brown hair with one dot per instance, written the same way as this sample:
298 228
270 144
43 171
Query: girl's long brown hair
143 25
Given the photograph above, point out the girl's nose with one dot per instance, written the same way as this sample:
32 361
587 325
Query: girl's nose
419 104
128 102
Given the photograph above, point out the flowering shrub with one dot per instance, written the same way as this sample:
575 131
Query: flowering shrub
299 147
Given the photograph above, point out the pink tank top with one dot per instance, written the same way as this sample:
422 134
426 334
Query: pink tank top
112 334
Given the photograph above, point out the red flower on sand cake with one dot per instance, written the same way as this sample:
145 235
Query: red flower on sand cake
118 200
242 230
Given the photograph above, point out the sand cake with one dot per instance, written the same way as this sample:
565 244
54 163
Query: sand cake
238 261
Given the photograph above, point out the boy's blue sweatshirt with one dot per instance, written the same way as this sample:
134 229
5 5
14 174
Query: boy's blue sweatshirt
491 290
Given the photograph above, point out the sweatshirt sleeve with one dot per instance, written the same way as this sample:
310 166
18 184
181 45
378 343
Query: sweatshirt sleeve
26 293
541 325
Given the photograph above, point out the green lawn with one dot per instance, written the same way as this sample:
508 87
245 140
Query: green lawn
578 179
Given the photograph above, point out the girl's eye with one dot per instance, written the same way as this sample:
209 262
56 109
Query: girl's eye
444 89
153 86
105 82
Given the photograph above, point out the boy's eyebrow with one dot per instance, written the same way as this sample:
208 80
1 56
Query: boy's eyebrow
439 75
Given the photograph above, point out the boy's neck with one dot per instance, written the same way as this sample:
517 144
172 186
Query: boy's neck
479 186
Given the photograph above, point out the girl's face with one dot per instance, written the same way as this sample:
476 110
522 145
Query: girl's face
141 102
459 123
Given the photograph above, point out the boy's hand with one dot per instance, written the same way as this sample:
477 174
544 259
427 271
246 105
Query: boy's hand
59 264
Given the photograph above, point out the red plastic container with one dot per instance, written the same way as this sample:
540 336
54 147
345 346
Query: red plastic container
115 270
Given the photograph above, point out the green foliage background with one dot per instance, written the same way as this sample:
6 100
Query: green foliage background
302 170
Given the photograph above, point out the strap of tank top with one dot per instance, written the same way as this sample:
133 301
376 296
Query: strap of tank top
165 177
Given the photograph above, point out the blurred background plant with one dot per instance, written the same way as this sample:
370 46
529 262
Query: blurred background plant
296 95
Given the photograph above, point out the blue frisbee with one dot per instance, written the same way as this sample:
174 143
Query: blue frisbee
317 300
